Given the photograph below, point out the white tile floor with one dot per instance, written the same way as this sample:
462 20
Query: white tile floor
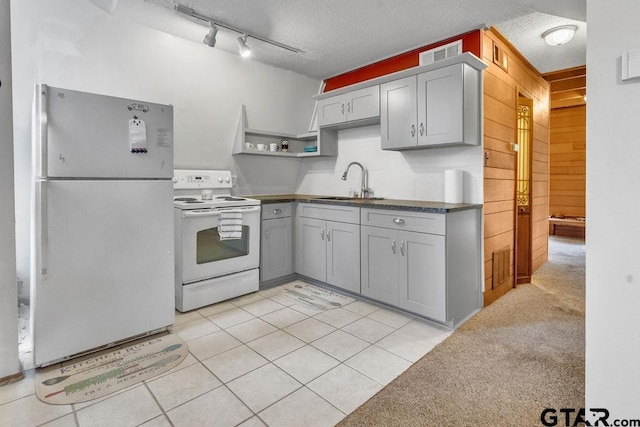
255 360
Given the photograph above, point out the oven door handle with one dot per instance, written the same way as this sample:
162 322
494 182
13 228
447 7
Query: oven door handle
216 212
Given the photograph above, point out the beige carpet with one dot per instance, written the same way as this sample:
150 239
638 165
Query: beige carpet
516 357
99 374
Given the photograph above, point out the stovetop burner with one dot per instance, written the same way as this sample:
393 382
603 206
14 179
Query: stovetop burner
229 198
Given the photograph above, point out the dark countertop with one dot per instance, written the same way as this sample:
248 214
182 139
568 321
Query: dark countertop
405 205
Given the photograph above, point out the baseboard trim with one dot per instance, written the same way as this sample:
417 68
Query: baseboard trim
11 378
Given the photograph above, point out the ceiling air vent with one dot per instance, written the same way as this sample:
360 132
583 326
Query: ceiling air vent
441 52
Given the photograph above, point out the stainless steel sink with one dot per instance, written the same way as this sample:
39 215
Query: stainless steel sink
348 198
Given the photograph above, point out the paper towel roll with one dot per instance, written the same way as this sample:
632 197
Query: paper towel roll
453 186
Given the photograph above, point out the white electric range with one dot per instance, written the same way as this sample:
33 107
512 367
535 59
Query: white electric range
212 263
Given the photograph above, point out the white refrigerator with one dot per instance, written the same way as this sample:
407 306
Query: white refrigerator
102 264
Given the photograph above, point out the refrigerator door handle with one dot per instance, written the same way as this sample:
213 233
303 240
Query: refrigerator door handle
42 123
42 231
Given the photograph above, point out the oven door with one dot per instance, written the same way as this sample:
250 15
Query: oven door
205 256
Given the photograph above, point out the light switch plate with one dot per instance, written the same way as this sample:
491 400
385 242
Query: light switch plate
630 65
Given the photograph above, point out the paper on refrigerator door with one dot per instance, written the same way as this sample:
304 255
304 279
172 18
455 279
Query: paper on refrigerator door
138 136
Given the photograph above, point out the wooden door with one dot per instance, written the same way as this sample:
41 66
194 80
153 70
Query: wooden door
524 130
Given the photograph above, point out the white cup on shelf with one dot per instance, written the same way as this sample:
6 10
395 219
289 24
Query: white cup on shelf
273 146
248 146
261 147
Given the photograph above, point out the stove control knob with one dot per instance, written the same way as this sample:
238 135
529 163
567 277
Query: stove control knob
220 179
227 179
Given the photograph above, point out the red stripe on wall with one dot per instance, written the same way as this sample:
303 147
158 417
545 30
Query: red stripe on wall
470 43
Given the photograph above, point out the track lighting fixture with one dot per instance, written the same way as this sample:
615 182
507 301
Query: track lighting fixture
244 50
210 38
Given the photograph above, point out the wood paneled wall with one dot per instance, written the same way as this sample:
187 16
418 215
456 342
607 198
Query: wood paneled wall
567 178
501 88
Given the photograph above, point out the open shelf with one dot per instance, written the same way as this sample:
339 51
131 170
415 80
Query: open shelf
244 135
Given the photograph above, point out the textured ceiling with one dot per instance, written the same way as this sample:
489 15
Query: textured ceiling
340 35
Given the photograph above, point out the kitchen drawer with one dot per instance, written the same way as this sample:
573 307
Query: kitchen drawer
276 210
329 212
405 220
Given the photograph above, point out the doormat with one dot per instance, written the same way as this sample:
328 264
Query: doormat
97 375
315 298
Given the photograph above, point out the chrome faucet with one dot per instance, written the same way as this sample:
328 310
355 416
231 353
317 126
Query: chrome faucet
365 190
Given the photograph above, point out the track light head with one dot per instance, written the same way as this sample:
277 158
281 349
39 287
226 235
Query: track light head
210 38
244 50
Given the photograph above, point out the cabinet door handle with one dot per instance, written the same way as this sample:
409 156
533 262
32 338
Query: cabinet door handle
413 130
266 234
328 235
342 109
421 129
393 246
402 247
277 211
322 233
398 221
348 107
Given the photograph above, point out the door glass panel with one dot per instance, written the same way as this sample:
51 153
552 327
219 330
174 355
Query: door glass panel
210 248
524 151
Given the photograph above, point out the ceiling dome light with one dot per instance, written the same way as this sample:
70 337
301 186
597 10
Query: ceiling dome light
244 50
210 38
559 35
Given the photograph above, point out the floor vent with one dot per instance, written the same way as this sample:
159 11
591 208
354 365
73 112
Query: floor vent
501 261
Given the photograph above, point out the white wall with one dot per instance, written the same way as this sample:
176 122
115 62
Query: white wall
9 364
75 44
613 199
411 175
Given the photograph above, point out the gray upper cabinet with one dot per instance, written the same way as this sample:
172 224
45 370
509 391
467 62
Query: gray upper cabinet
398 100
356 105
436 108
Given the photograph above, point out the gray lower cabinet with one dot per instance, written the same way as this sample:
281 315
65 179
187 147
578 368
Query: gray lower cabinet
311 248
380 263
421 278
405 269
276 243
329 251
427 264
